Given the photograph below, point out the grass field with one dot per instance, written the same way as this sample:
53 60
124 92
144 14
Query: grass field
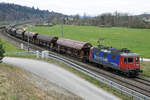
137 40
145 66
1 25
8 47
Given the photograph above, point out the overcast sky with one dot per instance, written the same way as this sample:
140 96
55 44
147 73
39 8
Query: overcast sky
90 7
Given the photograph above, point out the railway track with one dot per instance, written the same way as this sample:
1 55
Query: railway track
143 80
139 84
127 82
132 84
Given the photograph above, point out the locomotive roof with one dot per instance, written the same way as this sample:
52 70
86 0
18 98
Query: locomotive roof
73 44
129 54
45 38
30 34
122 52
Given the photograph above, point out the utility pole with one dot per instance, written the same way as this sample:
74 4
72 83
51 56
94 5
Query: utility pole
64 20
29 38
62 30
28 41
62 27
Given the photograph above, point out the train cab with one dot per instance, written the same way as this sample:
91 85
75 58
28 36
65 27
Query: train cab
130 63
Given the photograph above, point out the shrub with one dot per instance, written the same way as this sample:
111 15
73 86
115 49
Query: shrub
1 51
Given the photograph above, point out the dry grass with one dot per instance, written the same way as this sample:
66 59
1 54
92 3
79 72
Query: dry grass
145 66
16 84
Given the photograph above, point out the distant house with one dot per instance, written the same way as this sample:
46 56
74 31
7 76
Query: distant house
45 24
146 19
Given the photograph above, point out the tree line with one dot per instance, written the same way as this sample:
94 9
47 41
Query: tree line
112 19
13 12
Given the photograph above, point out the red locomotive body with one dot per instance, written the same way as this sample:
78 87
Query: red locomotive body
130 63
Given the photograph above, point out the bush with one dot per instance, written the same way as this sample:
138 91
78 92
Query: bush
1 51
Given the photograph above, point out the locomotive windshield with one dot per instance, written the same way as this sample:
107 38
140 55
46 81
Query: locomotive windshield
137 59
128 60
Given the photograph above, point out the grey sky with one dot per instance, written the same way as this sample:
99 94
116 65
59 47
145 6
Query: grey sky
90 7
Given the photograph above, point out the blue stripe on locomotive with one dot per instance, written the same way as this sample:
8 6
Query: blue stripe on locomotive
97 56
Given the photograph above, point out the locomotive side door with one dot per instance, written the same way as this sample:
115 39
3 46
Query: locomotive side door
126 63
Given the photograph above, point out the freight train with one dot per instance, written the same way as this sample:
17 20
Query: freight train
120 60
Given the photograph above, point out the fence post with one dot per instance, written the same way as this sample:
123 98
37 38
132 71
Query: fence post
21 45
37 54
45 54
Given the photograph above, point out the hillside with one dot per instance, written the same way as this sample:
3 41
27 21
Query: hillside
12 12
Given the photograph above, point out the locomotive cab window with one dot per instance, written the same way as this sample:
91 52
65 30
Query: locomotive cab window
137 59
125 60
130 60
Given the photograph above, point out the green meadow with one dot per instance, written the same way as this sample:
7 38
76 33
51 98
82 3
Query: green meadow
8 47
137 40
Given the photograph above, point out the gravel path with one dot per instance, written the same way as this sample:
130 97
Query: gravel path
62 78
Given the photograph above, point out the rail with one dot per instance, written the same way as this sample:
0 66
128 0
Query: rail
122 89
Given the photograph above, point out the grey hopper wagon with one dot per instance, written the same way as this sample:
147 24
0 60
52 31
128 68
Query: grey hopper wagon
47 41
30 35
12 31
19 33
